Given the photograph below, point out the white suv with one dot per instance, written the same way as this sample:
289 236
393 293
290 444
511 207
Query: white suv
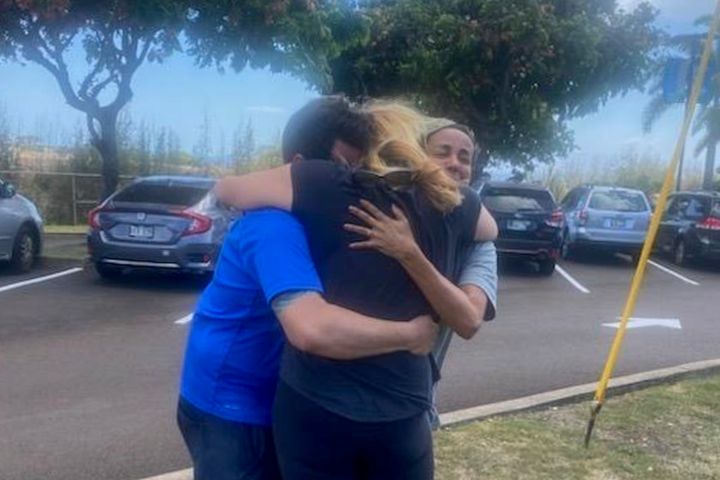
21 229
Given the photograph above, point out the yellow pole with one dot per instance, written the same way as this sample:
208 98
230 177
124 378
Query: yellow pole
654 225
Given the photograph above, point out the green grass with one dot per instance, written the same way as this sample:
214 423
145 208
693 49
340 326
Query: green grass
65 241
660 433
66 228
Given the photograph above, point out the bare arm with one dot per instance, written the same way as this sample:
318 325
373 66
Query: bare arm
315 326
478 298
460 309
487 229
479 277
266 188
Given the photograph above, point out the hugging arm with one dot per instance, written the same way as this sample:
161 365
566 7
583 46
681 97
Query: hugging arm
265 188
461 309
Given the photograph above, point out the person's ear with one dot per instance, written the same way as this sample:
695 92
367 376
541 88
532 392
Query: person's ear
297 157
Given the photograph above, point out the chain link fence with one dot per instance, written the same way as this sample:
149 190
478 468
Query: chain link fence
62 198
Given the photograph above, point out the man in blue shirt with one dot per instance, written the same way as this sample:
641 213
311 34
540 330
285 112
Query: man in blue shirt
232 358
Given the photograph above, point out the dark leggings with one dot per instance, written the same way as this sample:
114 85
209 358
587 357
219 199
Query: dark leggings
315 444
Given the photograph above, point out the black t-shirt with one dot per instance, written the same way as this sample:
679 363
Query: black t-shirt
384 387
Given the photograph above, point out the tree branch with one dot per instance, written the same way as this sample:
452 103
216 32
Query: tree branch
37 50
89 80
134 60
96 89
504 88
94 135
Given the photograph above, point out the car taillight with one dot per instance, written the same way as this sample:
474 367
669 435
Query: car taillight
583 217
710 223
198 223
94 218
556 219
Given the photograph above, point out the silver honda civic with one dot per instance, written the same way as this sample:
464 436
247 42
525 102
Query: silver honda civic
167 223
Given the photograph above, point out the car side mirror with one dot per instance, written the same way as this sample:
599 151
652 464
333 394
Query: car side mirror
7 191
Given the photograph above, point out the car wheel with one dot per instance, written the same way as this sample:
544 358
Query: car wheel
680 253
547 267
23 256
107 272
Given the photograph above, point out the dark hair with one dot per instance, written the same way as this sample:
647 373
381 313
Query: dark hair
313 130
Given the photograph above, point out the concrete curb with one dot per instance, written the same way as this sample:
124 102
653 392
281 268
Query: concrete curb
578 393
556 397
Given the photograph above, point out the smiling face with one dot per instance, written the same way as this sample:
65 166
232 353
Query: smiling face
453 150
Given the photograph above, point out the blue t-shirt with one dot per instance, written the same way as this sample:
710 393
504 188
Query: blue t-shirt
235 342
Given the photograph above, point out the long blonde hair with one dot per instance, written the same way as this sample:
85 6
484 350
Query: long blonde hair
399 143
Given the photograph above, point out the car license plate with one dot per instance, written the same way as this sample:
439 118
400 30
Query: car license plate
614 223
518 225
141 231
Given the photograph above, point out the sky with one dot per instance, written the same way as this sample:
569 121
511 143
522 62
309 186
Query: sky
179 94
616 127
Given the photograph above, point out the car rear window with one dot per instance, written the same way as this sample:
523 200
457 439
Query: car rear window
506 200
163 193
618 201
715 212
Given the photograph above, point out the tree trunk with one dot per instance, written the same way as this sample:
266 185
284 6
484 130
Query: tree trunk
106 144
480 163
709 175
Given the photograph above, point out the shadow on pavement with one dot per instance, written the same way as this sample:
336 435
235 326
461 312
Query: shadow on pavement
605 259
43 266
153 281
512 267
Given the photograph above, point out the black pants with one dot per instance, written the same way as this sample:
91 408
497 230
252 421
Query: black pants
315 444
225 450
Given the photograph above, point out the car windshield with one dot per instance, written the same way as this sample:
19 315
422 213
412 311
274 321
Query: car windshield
618 201
508 201
181 194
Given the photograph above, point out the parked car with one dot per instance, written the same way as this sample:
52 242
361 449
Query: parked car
690 227
169 223
21 229
529 222
605 218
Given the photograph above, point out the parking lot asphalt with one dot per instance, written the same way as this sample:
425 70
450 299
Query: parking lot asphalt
90 368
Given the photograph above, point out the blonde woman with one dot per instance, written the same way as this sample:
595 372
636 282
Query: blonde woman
451 146
363 418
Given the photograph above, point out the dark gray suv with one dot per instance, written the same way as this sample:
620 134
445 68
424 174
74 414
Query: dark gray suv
168 223
21 229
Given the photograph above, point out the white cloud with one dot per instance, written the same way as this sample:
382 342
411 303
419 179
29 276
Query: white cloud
630 4
674 9
265 109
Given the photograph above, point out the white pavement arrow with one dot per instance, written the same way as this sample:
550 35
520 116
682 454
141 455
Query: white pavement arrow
636 322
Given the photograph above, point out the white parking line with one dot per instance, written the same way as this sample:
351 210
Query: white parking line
186 474
184 320
32 281
674 274
570 279
638 322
